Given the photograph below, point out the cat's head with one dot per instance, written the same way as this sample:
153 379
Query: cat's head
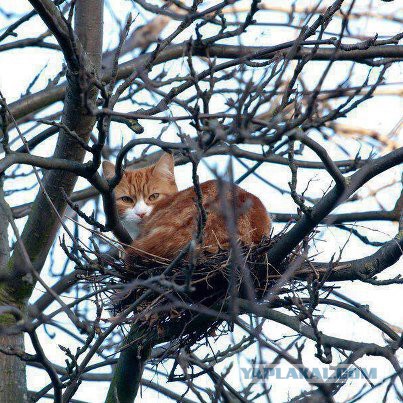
141 189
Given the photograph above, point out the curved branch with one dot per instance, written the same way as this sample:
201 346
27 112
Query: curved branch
328 203
46 97
294 323
56 23
42 162
335 219
362 269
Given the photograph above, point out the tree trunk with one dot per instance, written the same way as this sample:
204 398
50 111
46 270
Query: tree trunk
129 368
13 385
43 223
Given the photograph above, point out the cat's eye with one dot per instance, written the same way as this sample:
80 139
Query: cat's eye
154 196
126 199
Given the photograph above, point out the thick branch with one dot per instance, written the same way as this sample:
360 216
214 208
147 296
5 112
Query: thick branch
43 223
361 269
51 95
13 385
329 202
129 368
346 217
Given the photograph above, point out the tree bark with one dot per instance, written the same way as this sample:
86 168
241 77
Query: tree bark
13 386
43 223
137 346
129 368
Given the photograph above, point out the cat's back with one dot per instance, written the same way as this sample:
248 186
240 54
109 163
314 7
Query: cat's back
173 221
215 194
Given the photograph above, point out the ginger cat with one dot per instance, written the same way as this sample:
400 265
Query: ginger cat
163 220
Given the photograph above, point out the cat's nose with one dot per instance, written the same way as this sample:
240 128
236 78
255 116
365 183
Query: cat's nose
141 215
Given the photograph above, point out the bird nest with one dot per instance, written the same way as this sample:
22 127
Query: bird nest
159 295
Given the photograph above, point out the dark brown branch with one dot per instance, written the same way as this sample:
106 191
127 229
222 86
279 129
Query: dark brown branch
48 96
329 202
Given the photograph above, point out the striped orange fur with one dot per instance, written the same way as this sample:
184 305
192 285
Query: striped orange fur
170 221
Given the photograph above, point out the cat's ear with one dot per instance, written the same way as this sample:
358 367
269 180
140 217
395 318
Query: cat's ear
165 166
108 169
